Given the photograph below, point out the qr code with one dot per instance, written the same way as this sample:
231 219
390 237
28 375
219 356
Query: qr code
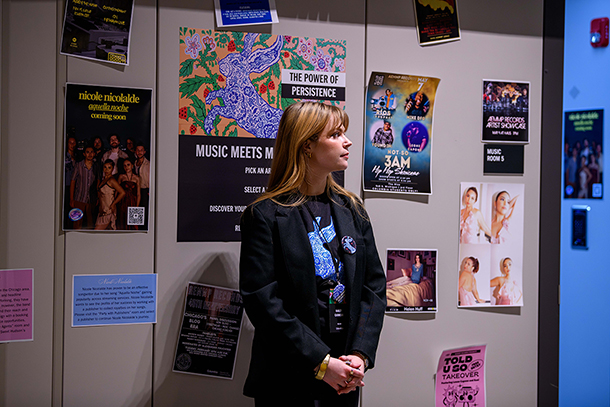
135 215
378 80
597 191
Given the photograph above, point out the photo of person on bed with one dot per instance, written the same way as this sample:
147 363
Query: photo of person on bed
411 280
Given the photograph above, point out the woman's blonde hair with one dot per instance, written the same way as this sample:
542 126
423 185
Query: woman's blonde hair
300 122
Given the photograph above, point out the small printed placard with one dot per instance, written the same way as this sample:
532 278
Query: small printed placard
114 299
503 159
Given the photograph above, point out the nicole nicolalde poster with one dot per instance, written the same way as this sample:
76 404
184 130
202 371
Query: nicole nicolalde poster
107 167
234 88
398 133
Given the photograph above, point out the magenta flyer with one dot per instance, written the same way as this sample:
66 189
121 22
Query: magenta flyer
16 305
460 377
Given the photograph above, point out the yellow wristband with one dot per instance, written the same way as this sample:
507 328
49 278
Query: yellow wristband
323 366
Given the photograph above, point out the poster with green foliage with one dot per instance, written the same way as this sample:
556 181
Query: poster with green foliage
233 88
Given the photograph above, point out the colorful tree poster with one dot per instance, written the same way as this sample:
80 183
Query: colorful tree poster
398 133
233 88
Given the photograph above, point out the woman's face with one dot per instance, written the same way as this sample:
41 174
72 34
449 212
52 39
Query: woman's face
417 258
330 151
502 203
508 264
128 166
468 265
107 169
470 198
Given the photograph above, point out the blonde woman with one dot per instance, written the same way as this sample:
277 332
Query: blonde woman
506 290
310 275
109 193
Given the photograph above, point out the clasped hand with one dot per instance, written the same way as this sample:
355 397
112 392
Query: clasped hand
345 374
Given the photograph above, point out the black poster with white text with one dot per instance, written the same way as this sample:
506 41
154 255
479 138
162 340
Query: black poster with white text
219 177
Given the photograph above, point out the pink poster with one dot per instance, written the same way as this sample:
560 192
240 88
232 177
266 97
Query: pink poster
16 305
460 378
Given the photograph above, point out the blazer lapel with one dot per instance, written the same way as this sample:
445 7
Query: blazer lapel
344 226
297 253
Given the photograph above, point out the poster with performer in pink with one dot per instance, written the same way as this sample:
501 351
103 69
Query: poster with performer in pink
460 378
16 305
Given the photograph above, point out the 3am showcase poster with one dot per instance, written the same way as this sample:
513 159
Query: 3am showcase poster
233 88
398 133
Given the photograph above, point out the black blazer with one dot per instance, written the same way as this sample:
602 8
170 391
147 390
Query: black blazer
277 282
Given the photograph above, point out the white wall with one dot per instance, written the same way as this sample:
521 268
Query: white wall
28 188
131 365
411 345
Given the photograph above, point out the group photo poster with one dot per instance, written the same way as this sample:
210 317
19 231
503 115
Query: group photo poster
234 88
460 378
505 112
398 133
583 160
490 264
411 280
231 13
107 165
16 305
97 29
209 333
437 21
